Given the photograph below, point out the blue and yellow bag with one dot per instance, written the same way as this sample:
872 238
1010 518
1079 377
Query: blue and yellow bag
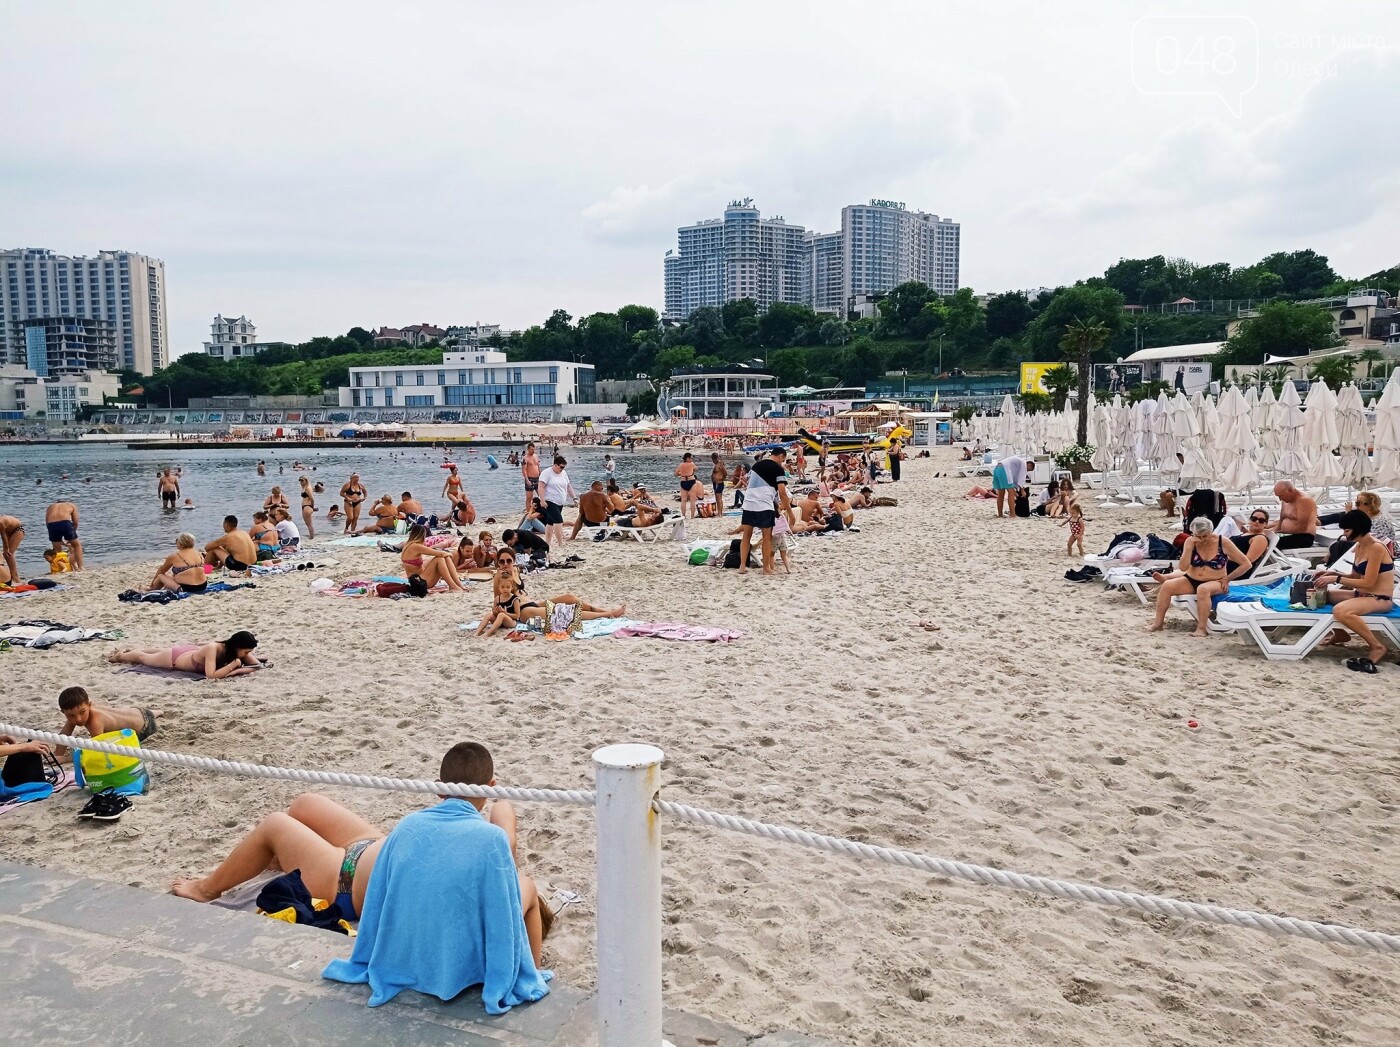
98 772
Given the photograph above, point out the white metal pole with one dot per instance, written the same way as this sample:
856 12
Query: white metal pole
627 779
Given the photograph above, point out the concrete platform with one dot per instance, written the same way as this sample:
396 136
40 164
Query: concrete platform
87 962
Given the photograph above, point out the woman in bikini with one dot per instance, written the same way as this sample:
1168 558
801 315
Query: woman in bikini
183 570
265 535
353 495
276 500
308 507
686 473
452 486
1204 570
485 552
511 608
432 565
213 661
385 516
1369 589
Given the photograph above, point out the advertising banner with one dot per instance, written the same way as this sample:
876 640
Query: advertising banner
1032 375
1186 378
1117 378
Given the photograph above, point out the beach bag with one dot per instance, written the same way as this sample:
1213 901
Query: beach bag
417 586
699 557
1159 549
391 588
1023 504
1298 589
731 558
98 772
27 773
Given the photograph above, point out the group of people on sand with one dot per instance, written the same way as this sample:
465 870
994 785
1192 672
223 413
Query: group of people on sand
65 552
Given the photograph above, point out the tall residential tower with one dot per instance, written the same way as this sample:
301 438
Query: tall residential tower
125 290
720 260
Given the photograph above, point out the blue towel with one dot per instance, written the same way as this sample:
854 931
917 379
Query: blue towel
443 913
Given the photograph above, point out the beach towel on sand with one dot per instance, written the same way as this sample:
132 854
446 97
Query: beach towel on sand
443 913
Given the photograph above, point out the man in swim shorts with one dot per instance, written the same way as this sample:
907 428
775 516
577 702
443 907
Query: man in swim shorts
234 551
593 509
530 472
1008 477
336 849
168 487
62 522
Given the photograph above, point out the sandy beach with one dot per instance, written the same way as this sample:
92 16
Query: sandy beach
1041 730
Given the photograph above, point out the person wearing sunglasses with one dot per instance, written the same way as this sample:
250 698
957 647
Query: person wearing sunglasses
1254 542
511 607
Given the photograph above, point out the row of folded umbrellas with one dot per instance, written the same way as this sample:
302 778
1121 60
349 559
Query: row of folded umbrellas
1232 444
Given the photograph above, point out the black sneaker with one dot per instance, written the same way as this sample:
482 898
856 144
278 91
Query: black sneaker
110 807
91 808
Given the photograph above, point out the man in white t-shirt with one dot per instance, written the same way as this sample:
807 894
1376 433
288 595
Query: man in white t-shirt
555 491
764 497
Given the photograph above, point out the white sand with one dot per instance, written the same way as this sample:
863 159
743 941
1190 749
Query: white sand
1042 730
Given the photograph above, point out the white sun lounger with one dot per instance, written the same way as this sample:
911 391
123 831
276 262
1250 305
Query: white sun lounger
1270 629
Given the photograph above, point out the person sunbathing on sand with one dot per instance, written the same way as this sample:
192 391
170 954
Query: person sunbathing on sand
214 661
430 564
386 517
336 850
510 607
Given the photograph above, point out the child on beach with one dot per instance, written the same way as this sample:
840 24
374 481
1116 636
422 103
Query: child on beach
1075 520
81 711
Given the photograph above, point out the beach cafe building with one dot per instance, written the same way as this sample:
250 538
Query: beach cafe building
730 391
481 379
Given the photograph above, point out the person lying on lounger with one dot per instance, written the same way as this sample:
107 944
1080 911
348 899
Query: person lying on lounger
336 849
645 516
213 661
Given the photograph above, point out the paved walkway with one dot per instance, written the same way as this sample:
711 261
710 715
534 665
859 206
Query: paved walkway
87 962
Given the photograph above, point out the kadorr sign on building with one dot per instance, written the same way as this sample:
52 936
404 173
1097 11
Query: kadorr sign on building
898 205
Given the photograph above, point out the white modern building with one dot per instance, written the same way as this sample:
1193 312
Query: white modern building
27 394
720 392
883 244
479 378
234 339
741 255
125 289
825 273
472 336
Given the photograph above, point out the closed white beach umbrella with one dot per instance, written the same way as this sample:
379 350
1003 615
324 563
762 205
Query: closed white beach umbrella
1006 425
1386 441
1212 433
1320 436
1237 444
1162 453
1353 438
1262 415
1101 436
1291 460
1186 427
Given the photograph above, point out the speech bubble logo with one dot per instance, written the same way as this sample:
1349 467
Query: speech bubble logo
1211 55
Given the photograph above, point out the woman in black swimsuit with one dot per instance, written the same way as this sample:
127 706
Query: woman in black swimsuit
183 570
308 507
1203 570
353 494
1369 589
689 495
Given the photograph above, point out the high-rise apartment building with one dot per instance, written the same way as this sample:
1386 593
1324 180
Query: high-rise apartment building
125 289
738 256
884 245
881 245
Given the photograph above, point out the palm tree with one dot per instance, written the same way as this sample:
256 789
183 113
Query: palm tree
1370 357
1336 371
1058 381
1082 339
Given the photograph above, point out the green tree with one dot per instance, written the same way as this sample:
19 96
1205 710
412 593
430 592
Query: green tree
1305 274
788 366
963 413
1147 391
860 361
1058 381
604 343
1007 315
1070 305
1035 403
733 312
364 339
704 329
1336 371
1081 340
1280 328
835 332
782 324
1370 357
670 359
642 404
558 321
637 318
903 304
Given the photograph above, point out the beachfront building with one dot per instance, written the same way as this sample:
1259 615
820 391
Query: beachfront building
66 345
124 289
25 393
741 255
482 379
728 391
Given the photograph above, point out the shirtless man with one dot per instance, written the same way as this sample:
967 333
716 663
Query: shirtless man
593 509
234 551
809 509
1297 519
168 487
11 534
410 508
80 711
530 473
61 518
336 849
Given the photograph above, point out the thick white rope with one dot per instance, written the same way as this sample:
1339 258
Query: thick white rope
1082 892
1148 903
291 774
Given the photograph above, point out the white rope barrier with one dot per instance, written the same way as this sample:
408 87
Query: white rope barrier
1149 903
292 774
1158 905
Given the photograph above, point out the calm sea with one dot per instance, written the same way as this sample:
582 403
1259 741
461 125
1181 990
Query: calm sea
122 520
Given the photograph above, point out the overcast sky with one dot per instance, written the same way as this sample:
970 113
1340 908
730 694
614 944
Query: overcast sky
321 165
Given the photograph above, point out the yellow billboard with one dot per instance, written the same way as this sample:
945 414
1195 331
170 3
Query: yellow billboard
1032 377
